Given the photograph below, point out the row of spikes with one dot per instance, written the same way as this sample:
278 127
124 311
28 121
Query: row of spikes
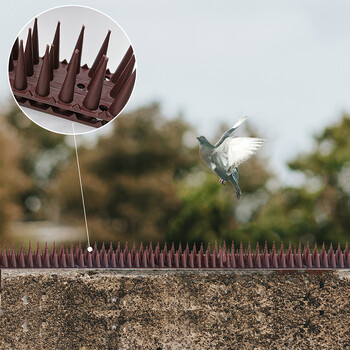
219 257
123 78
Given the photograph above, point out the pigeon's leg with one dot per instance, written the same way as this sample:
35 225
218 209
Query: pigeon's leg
223 182
234 180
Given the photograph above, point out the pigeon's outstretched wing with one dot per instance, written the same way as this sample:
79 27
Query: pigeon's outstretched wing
230 131
234 151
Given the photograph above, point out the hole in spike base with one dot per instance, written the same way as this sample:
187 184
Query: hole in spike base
103 107
81 86
107 78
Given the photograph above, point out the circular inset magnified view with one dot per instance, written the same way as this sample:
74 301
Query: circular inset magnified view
72 69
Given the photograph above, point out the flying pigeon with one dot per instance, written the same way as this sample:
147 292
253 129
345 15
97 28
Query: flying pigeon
228 153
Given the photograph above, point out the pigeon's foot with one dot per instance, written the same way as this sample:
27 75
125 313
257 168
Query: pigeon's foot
223 182
239 194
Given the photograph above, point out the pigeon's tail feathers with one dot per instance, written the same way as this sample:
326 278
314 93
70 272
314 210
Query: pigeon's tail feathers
240 121
236 150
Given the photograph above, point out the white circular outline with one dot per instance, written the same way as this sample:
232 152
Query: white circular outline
95 129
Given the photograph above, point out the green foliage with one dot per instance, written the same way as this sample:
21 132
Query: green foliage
144 181
319 209
129 177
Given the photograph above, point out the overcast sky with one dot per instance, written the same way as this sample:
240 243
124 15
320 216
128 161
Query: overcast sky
284 64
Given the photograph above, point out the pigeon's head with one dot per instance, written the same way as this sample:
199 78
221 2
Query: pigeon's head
201 139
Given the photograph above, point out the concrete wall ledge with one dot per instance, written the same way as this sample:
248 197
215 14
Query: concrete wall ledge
174 309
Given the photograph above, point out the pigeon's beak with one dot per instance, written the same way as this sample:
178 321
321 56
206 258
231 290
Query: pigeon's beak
197 138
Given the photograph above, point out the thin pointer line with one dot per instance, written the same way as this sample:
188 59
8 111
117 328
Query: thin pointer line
81 187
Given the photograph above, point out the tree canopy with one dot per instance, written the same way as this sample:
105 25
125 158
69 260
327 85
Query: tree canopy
144 181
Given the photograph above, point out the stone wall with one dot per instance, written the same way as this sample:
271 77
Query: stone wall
177 309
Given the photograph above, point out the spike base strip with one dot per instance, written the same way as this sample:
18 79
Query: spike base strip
74 111
282 260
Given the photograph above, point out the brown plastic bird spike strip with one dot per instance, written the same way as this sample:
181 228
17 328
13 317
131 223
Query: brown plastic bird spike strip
91 96
221 257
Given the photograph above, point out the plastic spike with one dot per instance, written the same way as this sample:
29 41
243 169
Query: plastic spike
105 259
324 259
191 260
298 260
232 261
92 99
113 261
282 258
169 261
187 250
308 261
258 261
332 261
47 261
52 57
274 260
28 53
151 259
128 261
81 261
161 261
4 262
241 264
123 96
20 81
30 262
199 261
66 94
316 261
144 260
11 66
348 260
155 258
55 260
176 263
97 260
79 47
137 260
183 260
63 261
38 260
95 73
128 55
290 259
341 260
56 43
71 263
266 261
180 248
102 52
43 85
21 262
15 49
220 260
35 42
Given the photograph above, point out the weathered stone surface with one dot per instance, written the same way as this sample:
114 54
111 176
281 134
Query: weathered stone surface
145 309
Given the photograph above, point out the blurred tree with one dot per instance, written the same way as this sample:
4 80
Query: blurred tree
129 177
39 156
14 182
144 181
319 209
